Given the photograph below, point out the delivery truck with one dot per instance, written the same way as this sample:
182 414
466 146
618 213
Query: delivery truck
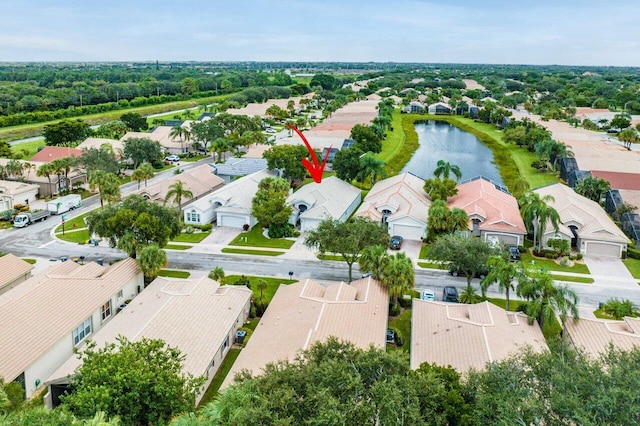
27 218
64 204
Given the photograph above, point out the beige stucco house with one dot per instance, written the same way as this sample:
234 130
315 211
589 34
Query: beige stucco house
595 335
12 193
14 271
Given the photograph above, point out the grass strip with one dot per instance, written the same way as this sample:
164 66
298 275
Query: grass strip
254 238
267 294
177 247
583 280
221 374
173 273
633 265
254 252
402 325
195 237
551 265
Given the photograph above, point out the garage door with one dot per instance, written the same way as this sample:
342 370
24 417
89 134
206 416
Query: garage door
602 249
509 240
407 232
231 221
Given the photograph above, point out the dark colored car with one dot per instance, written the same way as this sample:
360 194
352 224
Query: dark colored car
450 294
514 253
395 242
391 336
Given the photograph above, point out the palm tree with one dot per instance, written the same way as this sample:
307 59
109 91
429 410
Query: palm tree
107 185
142 173
261 285
444 169
536 213
502 272
176 192
546 299
14 169
217 274
398 275
151 260
178 131
220 146
63 166
46 170
370 167
373 260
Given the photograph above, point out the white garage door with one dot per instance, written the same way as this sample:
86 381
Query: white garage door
407 232
602 249
231 221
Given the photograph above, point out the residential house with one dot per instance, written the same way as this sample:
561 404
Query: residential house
493 212
200 181
49 315
594 336
116 145
469 336
439 108
401 203
237 167
14 271
414 108
567 165
50 153
162 134
583 222
197 316
228 206
307 312
329 154
314 202
12 193
48 185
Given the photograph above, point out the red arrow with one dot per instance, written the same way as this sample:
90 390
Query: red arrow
315 169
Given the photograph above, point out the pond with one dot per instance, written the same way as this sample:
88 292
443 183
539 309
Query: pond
442 141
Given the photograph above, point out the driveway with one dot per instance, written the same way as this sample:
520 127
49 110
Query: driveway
412 249
222 235
607 267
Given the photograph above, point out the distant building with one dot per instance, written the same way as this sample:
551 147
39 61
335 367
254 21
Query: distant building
237 167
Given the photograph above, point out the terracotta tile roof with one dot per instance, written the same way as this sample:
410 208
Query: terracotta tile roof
306 312
200 181
497 209
402 194
591 219
594 335
40 311
194 315
12 268
468 336
50 153
619 180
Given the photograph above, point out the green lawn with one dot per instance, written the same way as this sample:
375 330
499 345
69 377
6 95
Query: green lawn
30 147
267 294
195 237
221 374
254 238
424 251
254 252
173 273
431 265
75 223
551 329
194 158
28 260
583 280
599 313
330 257
81 236
549 264
402 325
633 265
400 143
177 247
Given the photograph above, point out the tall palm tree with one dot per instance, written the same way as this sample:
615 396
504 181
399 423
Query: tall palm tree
537 213
63 166
143 173
217 274
502 272
398 275
370 167
220 146
261 285
178 132
444 169
14 169
177 191
546 299
46 170
373 260
107 184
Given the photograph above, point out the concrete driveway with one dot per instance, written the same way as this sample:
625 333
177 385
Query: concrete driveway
222 235
607 267
412 249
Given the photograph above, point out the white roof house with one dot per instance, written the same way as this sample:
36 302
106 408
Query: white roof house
583 222
440 108
97 143
330 199
197 316
50 314
401 202
306 312
236 167
14 271
468 336
12 193
230 205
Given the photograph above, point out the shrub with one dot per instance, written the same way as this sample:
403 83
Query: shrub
522 249
579 256
189 229
206 227
405 302
394 310
245 227
280 231
565 262
633 253
550 255
243 280
619 308
624 254
252 311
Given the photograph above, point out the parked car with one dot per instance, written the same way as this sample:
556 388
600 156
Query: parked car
391 336
270 130
395 242
428 294
514 253
450 294
172 158
456 272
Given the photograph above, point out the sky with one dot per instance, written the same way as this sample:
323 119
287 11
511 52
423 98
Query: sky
566 32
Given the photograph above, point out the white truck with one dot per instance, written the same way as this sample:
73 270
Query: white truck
27 218
64 204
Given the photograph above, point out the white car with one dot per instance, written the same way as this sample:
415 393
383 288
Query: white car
172 158
270 130
428 294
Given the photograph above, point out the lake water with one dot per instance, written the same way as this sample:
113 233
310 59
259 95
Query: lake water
442 141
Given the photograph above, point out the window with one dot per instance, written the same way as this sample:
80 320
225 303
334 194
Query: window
82 331
105 311
225 344
193 217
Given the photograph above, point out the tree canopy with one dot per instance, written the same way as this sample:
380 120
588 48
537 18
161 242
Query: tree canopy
134 121
66 132
270 208
143 150
288 159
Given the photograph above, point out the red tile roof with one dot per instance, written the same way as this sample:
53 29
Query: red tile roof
619 180
50 153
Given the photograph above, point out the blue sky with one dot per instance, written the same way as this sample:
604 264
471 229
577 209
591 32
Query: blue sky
526 32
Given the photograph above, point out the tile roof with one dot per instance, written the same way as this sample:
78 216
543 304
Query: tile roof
468 336
402 194
161 135
50 153
499 210
200 181
240 166
12 268
306 312
40 311
194 315
98 142
595 335
593 221
14 188
31 176
619 180
330 198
